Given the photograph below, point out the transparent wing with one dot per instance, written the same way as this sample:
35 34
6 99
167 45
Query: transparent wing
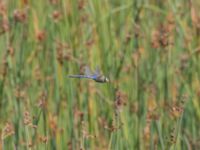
87 71
97 71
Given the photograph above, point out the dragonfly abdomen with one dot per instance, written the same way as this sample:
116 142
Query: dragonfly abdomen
79 76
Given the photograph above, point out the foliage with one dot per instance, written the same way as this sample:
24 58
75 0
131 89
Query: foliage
148 49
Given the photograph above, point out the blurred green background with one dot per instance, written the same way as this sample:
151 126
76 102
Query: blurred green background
149 49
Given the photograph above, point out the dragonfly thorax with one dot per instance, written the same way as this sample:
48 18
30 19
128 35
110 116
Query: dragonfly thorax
101 79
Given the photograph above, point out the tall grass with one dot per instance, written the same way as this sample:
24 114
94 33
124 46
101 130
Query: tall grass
148 49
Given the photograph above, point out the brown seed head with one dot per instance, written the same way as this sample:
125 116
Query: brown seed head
19 16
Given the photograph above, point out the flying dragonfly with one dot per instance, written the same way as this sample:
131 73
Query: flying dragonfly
96 76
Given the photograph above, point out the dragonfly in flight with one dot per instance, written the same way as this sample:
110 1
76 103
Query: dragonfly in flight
96 76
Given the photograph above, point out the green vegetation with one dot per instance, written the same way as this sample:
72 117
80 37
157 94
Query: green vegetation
148 49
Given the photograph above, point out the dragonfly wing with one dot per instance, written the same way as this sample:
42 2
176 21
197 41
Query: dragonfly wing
87 71
97 71
89 74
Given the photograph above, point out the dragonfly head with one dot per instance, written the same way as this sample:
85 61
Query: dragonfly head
106 79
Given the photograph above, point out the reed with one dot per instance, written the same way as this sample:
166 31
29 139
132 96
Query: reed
148 49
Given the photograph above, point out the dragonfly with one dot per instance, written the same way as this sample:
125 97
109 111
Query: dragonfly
96 76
